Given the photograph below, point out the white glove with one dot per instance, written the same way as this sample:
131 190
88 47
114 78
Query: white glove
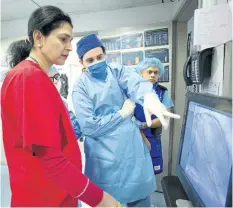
153 106
127 108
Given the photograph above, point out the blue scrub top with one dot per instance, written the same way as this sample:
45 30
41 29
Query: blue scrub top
154 137
167 101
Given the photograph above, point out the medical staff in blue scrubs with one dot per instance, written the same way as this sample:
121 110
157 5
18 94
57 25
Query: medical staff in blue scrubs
54 76
151 69
104 99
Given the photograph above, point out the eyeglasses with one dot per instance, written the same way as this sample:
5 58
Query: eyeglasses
55 77
155 72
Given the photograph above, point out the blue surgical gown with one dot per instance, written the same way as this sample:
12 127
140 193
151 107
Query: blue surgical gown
117 159
73 120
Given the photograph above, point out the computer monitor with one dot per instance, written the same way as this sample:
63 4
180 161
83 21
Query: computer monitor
204 164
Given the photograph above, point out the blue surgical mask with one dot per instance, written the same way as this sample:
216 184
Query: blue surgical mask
98 69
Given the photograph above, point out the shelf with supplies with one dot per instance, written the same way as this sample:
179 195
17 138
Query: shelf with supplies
137 49
131 49
162 54
132 57
156 47
163 78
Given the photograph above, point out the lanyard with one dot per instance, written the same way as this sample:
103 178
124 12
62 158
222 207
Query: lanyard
34 60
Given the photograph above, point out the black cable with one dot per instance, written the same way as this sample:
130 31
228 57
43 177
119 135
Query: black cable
160 192
36 3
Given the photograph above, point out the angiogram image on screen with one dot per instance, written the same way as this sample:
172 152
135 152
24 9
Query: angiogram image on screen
206 155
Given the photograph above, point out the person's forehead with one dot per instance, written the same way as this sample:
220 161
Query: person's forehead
93 53
64 29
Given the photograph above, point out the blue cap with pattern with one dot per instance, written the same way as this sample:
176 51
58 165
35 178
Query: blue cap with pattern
87 43
151 62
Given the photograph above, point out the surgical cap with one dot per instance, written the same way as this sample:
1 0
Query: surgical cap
151 62
87 43
52 70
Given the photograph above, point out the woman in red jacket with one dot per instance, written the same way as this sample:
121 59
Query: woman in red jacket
42 153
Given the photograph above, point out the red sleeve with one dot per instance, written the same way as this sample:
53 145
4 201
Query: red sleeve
41 111
65 175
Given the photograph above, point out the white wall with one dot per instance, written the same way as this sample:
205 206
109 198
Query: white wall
180 56
105 20
190 28
4 45
72 69
215 84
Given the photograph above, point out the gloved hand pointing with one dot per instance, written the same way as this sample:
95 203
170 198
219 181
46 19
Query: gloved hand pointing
153 106
127 108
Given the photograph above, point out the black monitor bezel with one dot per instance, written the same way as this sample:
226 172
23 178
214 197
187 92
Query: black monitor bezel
212 102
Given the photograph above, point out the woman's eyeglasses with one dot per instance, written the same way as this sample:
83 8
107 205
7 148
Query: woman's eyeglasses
55 77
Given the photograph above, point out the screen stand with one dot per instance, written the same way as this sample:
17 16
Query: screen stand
173 191
183 203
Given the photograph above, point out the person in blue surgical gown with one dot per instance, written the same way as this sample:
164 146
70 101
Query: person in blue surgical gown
104 99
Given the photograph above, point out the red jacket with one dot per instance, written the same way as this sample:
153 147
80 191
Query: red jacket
34 114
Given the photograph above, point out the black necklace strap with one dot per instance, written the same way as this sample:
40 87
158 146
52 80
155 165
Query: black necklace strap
34 60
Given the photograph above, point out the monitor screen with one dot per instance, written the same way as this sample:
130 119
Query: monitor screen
206 153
